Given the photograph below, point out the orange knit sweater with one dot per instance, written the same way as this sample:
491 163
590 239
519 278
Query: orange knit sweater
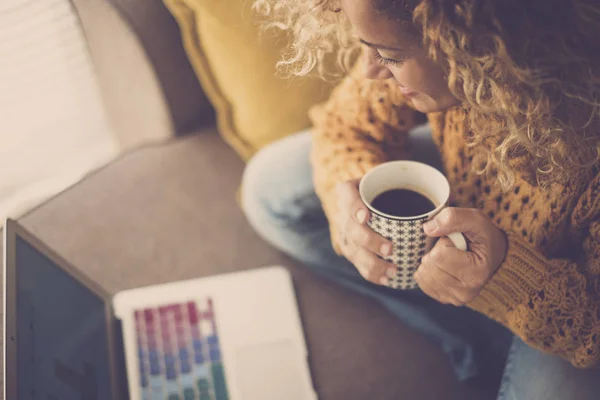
547 291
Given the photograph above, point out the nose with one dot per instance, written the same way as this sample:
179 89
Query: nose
373 69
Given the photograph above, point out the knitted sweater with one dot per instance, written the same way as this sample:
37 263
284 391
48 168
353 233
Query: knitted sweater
547 291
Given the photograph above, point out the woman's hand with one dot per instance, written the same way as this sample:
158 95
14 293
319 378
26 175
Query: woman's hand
359 244
453 276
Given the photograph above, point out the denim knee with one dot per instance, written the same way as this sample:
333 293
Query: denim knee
259 190
281 205
277 189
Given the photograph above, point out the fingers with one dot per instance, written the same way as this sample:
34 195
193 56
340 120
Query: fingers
371 267
449 275
354 216
446 256
461 265
465 220
349 201
464 273
438 285
365 237
360 245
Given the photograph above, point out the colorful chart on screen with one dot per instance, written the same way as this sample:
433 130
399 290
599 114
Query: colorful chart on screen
179 355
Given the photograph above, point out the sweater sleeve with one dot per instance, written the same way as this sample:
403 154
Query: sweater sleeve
552 304
363 124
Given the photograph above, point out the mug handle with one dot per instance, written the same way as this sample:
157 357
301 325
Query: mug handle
459 240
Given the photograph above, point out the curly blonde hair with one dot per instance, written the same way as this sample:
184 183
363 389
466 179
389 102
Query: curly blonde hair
527 72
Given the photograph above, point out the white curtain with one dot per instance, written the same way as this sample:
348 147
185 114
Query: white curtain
53 126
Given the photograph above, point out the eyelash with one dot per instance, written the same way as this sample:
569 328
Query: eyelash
385 61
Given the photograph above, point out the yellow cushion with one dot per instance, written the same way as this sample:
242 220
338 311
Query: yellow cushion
235 63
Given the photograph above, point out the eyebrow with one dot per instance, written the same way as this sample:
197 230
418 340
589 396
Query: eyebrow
379 46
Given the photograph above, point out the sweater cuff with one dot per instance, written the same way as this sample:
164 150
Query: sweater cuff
519 277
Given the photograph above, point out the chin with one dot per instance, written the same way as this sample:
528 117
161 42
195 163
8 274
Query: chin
426 104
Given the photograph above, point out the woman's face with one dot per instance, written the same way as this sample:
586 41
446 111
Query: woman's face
394 53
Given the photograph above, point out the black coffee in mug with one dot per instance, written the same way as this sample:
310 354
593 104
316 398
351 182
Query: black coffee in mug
403 203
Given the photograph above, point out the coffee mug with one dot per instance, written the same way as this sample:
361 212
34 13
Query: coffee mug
406 233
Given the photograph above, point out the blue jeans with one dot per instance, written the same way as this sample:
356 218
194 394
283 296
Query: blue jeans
279 200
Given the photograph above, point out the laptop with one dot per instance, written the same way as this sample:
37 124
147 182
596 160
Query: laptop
230 337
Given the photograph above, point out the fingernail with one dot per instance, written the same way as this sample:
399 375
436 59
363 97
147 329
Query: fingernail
361 216
391 272
383 280
430 227
386 249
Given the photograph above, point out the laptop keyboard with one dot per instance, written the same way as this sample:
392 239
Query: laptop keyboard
179 354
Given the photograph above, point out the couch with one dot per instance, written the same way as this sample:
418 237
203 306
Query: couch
166 210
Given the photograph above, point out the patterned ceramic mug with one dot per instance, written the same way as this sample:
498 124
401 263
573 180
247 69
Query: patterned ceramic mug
406 233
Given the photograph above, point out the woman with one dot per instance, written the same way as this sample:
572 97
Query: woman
512 93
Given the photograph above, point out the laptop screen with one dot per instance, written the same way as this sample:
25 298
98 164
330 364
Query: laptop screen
62 347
